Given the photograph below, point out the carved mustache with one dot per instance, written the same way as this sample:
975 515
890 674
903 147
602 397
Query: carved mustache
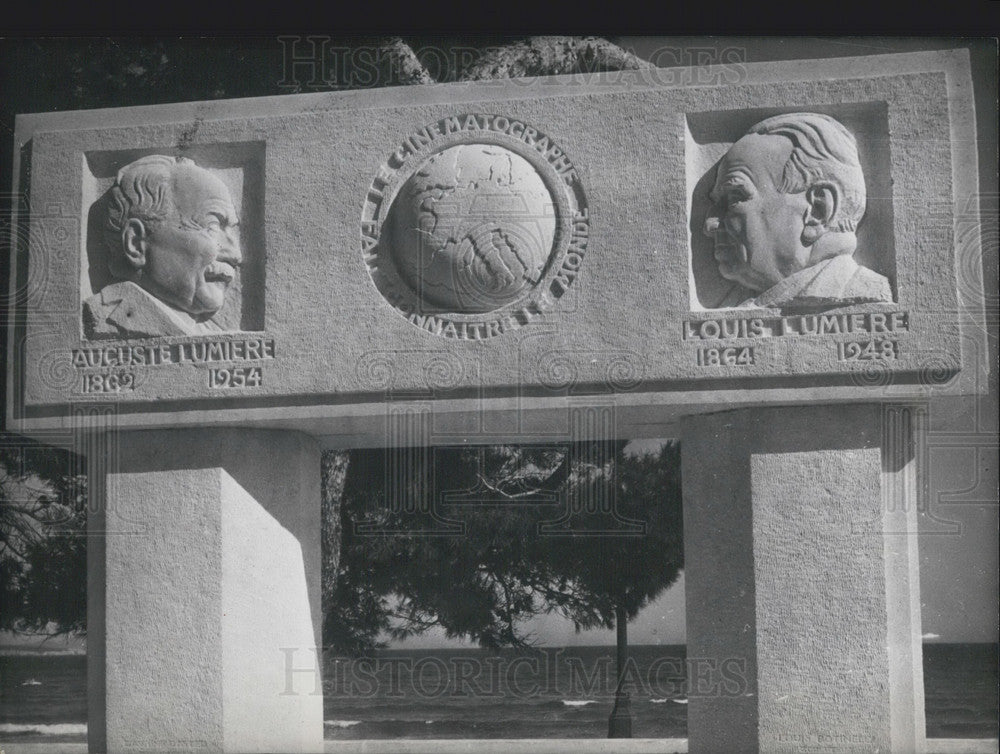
220 271
727 249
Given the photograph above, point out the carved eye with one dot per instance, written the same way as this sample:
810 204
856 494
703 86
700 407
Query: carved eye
214 221
736 194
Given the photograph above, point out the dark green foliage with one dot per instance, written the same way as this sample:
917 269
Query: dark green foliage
43 546
631 571
464 539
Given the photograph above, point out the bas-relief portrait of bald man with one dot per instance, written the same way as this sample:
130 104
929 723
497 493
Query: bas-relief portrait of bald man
173 251
784 210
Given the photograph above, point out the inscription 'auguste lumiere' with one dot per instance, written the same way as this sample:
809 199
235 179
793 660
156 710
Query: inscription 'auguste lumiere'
193 352
870 323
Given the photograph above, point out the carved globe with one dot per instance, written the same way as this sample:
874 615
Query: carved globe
472 228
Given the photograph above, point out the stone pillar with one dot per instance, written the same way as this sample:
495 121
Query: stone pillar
803 604
203 589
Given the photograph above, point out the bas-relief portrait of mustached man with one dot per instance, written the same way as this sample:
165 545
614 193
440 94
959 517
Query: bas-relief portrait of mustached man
786 203
173 251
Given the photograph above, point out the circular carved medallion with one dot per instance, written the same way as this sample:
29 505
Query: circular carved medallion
475 226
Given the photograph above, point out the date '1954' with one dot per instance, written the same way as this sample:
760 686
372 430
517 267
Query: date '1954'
235 377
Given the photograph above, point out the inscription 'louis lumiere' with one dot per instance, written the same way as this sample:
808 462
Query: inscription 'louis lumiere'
195 352
871 323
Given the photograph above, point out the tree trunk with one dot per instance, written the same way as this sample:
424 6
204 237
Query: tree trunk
620 723
334 473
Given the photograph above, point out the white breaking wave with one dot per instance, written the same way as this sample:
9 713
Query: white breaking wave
578 702
679 701
45 729
658 701
341 723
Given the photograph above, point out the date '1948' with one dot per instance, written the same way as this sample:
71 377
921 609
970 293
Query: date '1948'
868 350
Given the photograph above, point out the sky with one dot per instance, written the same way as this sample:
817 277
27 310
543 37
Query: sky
662 622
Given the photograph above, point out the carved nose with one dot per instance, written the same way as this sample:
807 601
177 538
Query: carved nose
231 251
712 224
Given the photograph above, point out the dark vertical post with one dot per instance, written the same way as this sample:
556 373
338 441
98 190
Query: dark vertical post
620 723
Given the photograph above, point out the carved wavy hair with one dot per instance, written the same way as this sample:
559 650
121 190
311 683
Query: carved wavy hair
822 150
141 191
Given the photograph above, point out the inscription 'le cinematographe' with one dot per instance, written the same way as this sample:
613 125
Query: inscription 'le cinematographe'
417 141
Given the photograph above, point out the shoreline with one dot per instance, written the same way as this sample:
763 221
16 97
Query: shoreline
521 746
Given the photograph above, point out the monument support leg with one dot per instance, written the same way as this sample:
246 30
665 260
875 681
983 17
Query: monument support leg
803 604
203 592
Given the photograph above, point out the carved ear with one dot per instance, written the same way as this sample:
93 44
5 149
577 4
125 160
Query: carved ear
134 243
824 203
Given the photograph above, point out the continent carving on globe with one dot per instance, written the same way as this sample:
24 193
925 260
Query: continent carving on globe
472 228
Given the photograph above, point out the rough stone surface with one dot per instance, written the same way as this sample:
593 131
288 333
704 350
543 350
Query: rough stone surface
794 555
211 565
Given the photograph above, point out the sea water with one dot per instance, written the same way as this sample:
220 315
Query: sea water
467 693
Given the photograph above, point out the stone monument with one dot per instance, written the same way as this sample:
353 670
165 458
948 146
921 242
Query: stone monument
493 262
